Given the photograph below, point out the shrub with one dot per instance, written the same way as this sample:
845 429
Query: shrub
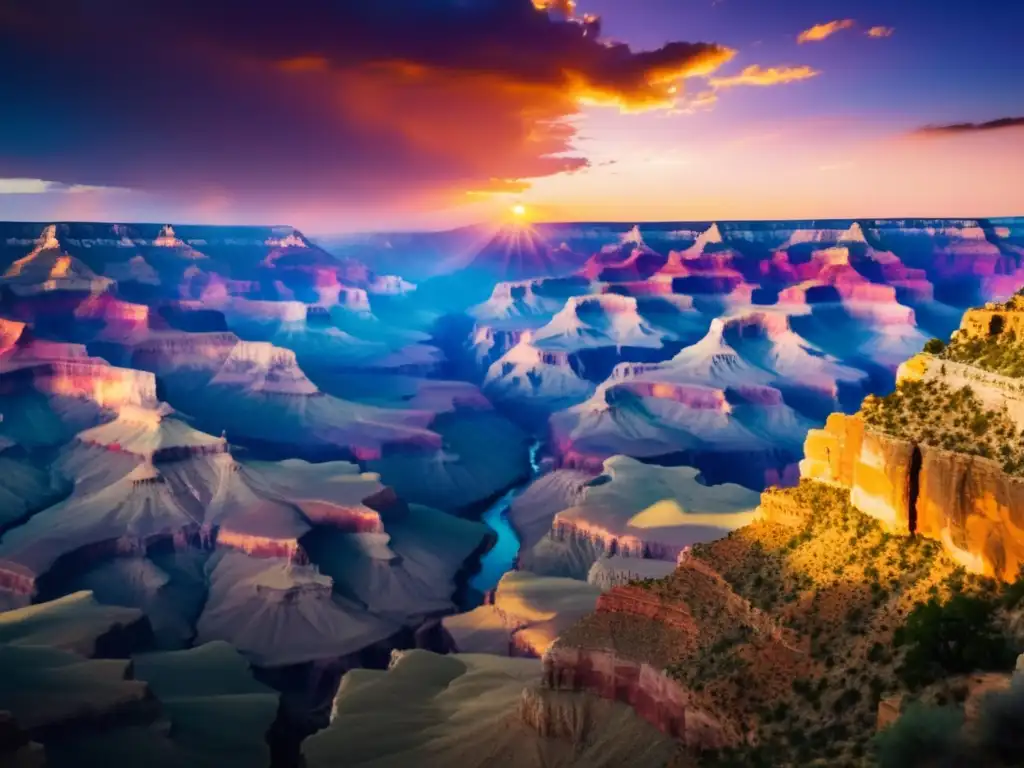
1013 593
951 638
1001 724
876 654
922 737
934 346
846 700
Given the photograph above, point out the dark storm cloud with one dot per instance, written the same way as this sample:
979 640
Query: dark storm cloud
320 101
958 128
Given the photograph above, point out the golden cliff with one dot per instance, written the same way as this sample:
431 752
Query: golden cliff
968 503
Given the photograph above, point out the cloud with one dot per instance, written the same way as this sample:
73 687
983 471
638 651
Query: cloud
954 129
821 31
325 105
755 75
702 100
42 187
23 186
880 32
565 7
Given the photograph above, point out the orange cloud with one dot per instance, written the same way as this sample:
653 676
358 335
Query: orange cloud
335 105
880 32
567 7
755 75
655 84
821 31
304 64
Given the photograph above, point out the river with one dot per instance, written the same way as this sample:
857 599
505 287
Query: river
502 557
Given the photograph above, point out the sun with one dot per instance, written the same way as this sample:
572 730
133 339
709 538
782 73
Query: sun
519 210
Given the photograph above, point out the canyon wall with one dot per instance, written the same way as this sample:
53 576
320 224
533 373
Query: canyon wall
992 320
625 545
968 503
975 509
654 696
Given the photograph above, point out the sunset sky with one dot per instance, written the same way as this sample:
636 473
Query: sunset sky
344 115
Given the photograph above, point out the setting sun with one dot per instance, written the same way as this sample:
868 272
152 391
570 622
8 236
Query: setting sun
519 210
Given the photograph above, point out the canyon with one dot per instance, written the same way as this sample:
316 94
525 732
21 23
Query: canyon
518 480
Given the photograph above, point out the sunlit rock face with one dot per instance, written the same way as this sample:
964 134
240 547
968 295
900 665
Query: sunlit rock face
976 510
874 466
968 503
48 268
991 320
632 511
882 480
525 616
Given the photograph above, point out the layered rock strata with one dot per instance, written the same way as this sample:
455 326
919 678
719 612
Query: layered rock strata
968 503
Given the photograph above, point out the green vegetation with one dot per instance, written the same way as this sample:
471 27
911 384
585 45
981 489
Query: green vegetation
932 413
934 346
859 615
999 350
951 638
923 737
1000 731
1002 354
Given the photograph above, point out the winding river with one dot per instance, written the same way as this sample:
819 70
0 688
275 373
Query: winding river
502 557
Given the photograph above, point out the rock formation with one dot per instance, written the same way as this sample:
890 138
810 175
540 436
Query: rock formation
634 510
471 710
527 614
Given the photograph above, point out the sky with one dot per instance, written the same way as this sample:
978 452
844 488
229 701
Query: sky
355 115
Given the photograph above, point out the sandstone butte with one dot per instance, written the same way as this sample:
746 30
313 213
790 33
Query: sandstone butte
967 503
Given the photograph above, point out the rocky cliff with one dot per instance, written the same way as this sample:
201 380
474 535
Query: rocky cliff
994 319
657 698
968 503
974 508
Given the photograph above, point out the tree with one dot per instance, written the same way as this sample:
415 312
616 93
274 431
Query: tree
1001 724
923 737
949 639
934 346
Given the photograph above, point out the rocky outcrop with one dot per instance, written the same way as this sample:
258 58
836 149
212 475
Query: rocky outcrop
992 389
526 615
875 467
555 714
780 507
563 529
888 711
85 378
616 571
637 601
975 509
831 453
654 696
883 478
968 503
994 320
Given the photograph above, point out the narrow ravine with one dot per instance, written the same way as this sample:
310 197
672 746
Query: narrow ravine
502 556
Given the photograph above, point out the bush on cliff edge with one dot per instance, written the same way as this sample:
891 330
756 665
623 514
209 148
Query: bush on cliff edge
951 638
